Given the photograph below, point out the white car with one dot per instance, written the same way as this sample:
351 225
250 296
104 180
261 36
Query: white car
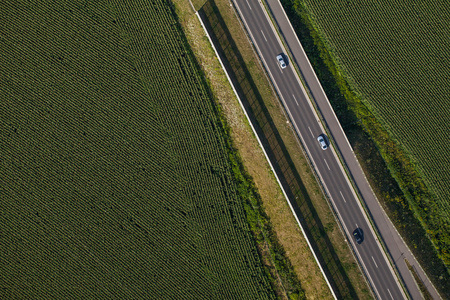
281 61
322 142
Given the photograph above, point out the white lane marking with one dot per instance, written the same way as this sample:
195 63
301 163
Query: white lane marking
327 164
374 262
249 5
296 101
263 34
320 264
342 196
356 225
311 131
390 294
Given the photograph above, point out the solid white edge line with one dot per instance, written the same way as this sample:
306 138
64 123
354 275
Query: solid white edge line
341 220
341 167
265 154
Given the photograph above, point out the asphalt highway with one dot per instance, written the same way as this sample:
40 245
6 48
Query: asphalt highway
307 125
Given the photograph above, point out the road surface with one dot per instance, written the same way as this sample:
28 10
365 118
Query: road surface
394 243
307 125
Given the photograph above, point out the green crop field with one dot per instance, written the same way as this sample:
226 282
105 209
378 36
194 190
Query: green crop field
115 178
396 56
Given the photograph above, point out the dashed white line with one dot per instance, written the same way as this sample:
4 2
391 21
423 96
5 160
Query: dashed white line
296 101
311 131
249 5
342 196
374 262
263 34
390 294
327 164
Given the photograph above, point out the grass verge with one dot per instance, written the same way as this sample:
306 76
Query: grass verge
283 225
256 179
423 289
327 227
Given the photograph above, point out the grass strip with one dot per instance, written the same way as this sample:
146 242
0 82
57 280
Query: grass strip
423 289
276 150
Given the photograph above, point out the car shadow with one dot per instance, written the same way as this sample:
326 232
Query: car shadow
327 140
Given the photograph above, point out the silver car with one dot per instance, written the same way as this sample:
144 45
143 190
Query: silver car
281 61
322 142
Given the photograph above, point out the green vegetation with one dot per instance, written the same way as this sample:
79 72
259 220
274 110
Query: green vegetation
281 159
388 164
396 56
280 268
395 61
423 289
117 177
284 225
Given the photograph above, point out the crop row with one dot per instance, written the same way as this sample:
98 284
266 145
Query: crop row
395 56
115 151
209 160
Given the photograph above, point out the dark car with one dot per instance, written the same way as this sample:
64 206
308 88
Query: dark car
358 235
